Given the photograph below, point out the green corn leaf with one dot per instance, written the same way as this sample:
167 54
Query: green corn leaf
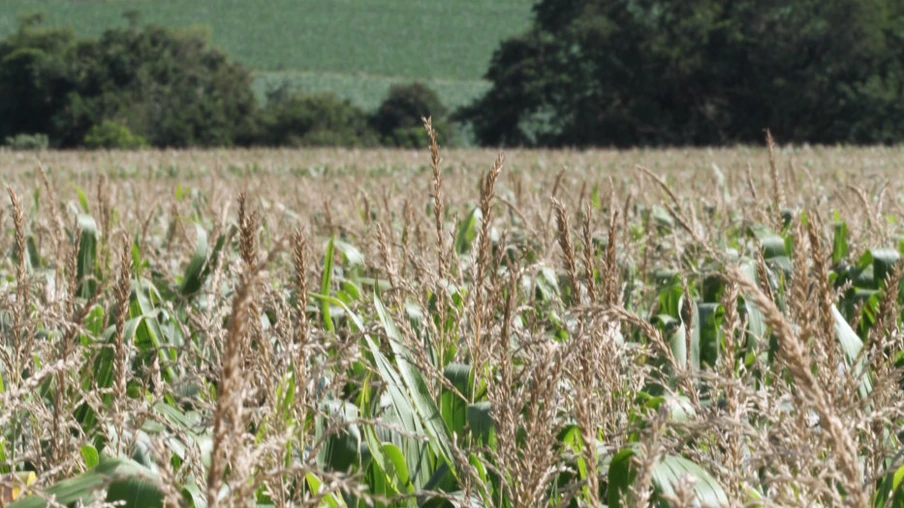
400 467
342 450
756 326
148 335
417 387
87 256
89 453
459 374
662 218
673 329
481 422
416 413
102 369
82 199
884 261
123 479
34 257
191 490
481 469
705 341
4 467
571 437
840 246
671 296
621 476
772 244
851 345
217 250
891 491
383 480
350 254
467 231
194 272
547 284
595 201
680 408
667 473
773 247
406 414
351 289
331 500
392 465
874 266
325 286
671 469
898 487
285 394
454 408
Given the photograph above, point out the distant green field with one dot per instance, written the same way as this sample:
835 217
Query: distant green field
356 48
368 91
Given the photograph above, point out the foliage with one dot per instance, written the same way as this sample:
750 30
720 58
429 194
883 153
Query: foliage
308 328
35 78
367 91
27 142
168 87
109 134
600 72
293 119
398 120
151 86
444 43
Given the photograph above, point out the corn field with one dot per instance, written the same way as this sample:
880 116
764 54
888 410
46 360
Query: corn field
428 329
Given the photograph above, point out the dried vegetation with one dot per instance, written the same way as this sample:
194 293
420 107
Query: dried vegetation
342 328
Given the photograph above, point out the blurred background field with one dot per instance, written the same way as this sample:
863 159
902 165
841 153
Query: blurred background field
366 91
848 164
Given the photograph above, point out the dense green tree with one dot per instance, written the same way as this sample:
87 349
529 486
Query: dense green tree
36 75
398 119
166 86
323 119
658 72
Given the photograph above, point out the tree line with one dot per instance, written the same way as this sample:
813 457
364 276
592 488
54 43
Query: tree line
587 73
698 72
144 86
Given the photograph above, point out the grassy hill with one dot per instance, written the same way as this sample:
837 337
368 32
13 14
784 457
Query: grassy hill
356 48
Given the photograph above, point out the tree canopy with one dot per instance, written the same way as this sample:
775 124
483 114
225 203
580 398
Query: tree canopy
153 86
167 86
695 72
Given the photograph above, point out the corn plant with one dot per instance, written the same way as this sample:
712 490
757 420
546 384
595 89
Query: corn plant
306 329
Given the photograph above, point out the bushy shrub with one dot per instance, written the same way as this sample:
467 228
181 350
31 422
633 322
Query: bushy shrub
398 119
323 119
27 142
108 134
